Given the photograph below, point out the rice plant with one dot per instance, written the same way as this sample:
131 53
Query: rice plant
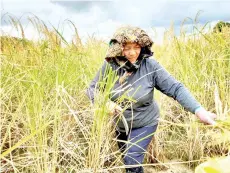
49 125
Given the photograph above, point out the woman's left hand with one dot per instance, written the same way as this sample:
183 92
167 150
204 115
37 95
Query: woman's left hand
206 117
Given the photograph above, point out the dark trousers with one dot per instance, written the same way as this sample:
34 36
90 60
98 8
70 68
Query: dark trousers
135 145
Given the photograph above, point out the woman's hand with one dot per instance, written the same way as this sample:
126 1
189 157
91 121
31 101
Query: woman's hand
116 109
113 108
206 116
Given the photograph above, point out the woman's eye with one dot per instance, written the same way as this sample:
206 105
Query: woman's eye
131 48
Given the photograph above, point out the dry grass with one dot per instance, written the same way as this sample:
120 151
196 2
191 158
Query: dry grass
48 124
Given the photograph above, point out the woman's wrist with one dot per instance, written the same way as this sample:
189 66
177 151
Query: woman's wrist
200 108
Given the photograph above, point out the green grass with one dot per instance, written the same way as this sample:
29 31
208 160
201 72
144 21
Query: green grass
48 124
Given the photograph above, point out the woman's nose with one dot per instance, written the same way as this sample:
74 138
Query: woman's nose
131 52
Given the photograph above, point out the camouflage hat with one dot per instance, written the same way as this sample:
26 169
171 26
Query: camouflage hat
125 35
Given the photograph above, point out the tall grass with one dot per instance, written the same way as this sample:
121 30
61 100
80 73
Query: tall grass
202 63
49 125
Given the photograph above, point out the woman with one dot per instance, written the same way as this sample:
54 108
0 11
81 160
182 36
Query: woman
129 54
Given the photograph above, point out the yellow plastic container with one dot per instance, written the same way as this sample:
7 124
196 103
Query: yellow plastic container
217 165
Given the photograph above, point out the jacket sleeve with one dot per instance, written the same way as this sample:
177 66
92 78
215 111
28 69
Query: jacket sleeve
91 90
168 85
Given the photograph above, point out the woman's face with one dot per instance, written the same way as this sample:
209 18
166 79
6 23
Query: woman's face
131 51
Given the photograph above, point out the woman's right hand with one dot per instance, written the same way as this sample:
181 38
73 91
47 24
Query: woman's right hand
113 108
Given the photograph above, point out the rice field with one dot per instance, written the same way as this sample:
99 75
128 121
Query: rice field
49 125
